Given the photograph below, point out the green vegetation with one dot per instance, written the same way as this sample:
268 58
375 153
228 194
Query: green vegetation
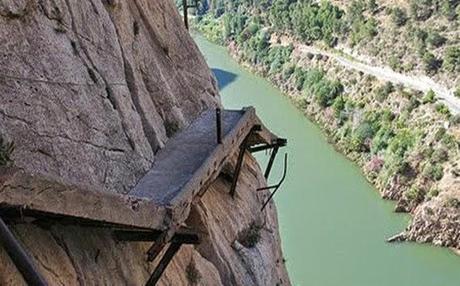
250 236
433 171
457 92
370 124
441 108
315 83
399 16
452 59
383 91
414 194
434 39
193 276
6 150
430 97
421 10
431 63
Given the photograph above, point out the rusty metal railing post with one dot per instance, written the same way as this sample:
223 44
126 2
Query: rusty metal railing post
219 125
185 8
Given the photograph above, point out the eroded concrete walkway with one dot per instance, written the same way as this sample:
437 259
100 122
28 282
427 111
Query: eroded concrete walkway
182 170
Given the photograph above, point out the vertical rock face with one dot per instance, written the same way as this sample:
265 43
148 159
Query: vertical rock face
89 91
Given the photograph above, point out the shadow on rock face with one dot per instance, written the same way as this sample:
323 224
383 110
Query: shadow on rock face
223 77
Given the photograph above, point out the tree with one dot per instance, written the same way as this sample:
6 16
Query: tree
431 63
452 59
421 10
448 9
435 39
430 97
372 6
457 92
399 16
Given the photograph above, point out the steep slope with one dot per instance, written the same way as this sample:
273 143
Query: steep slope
89 92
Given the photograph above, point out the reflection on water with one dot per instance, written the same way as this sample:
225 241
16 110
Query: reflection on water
223 77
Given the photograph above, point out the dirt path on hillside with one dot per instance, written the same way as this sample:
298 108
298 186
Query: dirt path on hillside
422 83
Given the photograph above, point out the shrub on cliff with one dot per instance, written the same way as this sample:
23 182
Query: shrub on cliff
414 194
382 138
338 106
402 142
193 275
433 171
327 91
250 236
362 135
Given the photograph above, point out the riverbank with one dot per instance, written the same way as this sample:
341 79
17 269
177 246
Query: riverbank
404 142
331 218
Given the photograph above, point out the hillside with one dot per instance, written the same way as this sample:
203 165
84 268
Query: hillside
367 72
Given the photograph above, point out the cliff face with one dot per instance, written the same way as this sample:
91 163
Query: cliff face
89 92
94 83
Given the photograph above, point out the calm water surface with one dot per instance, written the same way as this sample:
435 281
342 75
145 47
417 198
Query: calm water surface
333 223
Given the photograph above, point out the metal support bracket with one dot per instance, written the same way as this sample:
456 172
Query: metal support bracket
270 162
239 163
276 186
185 11
158 245
165 260
182 236
20 258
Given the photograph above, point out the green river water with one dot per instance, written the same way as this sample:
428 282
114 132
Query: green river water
333 223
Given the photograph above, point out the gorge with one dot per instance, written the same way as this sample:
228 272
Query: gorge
333 223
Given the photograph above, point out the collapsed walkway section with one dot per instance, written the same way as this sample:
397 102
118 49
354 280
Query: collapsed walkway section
156 208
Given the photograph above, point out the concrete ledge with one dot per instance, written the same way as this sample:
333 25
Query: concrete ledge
34 194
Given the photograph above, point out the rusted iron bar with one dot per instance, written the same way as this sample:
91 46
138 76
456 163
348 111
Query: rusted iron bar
239 163
18 255
219 125
185 11
157 247
270 162
280 142
179 237
165 260
275 187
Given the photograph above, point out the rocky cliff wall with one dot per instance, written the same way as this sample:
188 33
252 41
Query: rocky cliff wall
89 92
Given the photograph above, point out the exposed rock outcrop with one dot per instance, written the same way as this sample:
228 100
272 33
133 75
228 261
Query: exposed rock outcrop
89 92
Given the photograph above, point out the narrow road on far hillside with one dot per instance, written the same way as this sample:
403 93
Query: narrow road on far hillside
422 83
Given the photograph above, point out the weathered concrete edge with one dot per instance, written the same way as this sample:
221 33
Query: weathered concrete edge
28 192
212 167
